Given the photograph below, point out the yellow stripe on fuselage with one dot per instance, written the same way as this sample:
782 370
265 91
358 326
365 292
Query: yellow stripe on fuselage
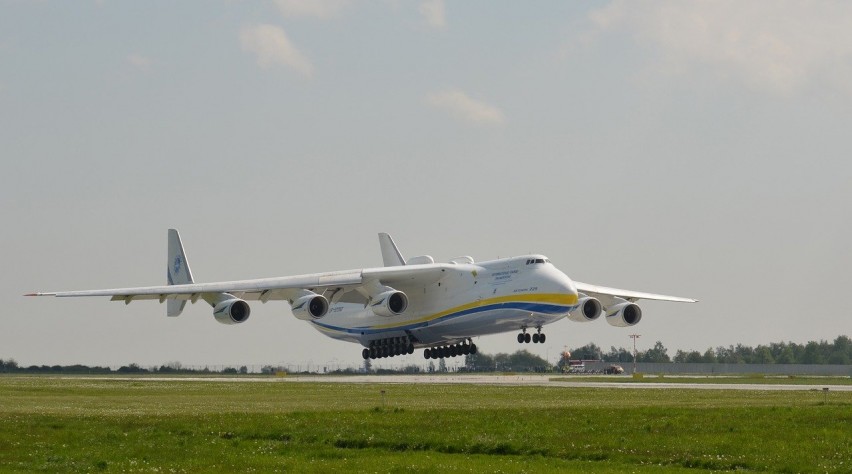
552 298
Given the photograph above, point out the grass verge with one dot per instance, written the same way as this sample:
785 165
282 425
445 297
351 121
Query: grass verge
77 425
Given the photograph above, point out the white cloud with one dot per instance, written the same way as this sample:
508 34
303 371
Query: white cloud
781 46
140 62
463 107
322 9
271 46
433 13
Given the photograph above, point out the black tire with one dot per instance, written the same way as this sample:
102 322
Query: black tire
535 338
473 348
465 349
426 354
454 351
527 338
410 348
365 353
520 338
542 338
372 353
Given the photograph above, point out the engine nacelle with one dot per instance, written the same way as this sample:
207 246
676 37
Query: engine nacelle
233 311
588 310
310 307
390 303
623 315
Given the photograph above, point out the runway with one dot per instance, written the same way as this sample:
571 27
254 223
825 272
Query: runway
547 380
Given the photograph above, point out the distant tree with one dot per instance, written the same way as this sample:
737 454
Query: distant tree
229 370
656 354
442 365
784 354
478 362
368 366
431 366
131 369
618 355
709 356
8 365
590 351
687 357
243 370
762 355
813 354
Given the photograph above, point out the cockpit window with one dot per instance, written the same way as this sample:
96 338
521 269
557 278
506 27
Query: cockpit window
539 260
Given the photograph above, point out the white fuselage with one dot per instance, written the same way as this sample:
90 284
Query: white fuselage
471 300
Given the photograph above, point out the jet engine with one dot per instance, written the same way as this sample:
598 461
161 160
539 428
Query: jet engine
623 314
232 311
588 310
390 303
310 307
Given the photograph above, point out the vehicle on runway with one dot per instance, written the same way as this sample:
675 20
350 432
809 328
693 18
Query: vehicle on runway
407 304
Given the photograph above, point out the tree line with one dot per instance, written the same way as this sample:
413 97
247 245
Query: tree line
11 366
838 352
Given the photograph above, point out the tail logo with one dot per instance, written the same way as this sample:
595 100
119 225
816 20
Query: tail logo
177 264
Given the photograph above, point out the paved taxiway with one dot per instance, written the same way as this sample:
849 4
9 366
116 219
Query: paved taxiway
514 380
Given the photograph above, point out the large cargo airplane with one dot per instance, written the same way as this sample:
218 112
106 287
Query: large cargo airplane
405 305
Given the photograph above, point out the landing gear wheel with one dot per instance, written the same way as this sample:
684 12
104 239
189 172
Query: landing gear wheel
365 354
535 338
541 338
527 338
426 354
372 353
411 348
520 338
473 348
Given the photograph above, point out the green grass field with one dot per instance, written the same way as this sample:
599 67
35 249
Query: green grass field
79 424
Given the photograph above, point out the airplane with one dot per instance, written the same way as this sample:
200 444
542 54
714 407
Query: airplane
407 304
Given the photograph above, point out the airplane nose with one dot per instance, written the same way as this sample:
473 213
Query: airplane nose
567 288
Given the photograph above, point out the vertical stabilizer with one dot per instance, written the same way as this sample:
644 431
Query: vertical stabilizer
178 271
390 254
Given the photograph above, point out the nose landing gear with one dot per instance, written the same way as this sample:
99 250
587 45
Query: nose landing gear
524 337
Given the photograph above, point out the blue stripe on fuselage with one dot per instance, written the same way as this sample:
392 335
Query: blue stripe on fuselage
551 309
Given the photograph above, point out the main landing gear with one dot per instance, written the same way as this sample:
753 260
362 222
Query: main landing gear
524 337
390 347
450 351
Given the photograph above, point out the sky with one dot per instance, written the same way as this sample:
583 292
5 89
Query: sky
699 149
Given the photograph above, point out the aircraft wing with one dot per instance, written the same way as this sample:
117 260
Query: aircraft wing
280 288
605 294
